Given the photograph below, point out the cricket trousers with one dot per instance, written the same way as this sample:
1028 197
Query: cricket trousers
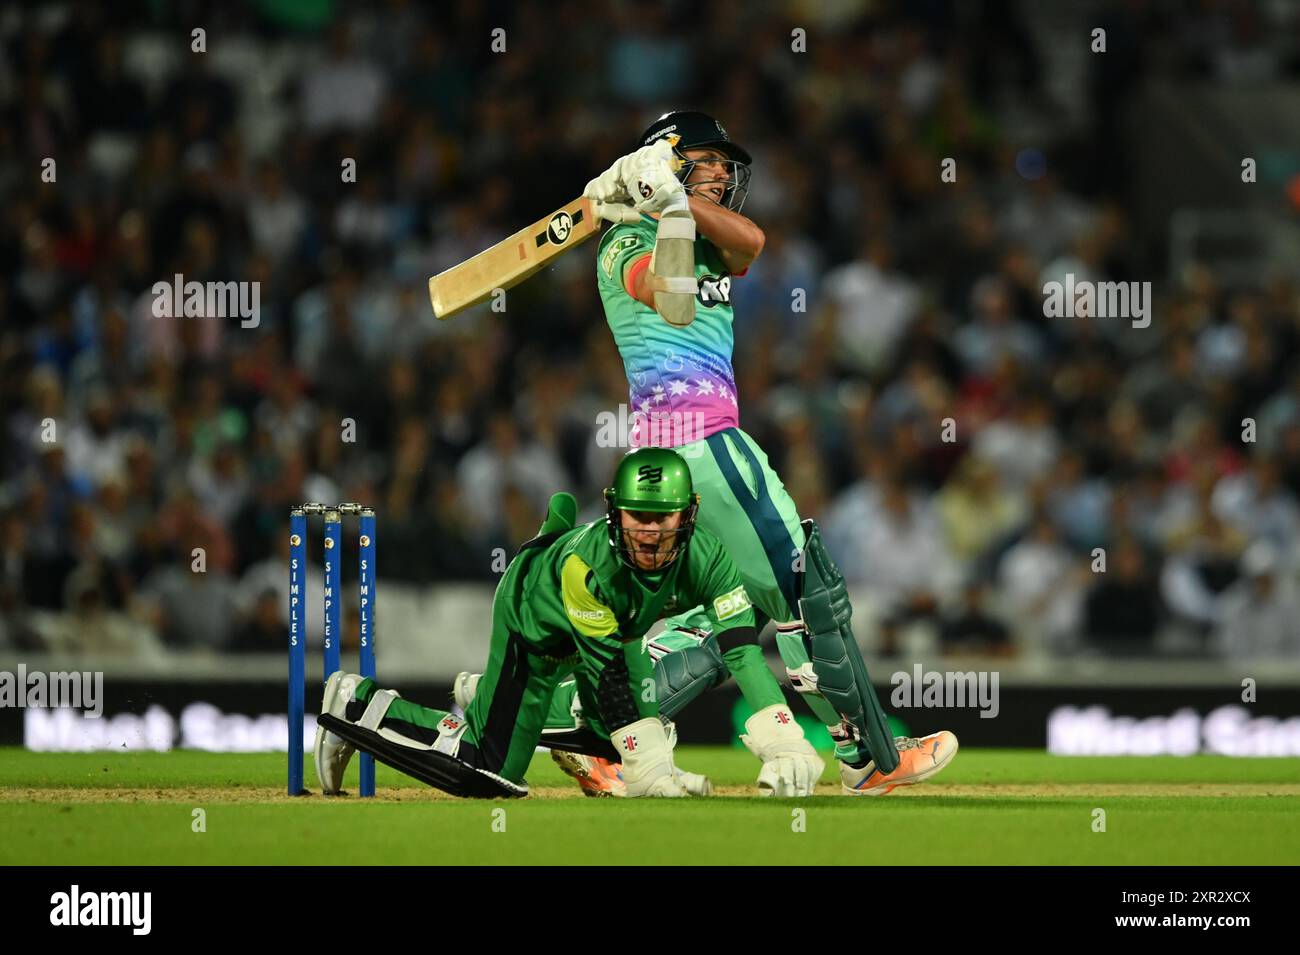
504 722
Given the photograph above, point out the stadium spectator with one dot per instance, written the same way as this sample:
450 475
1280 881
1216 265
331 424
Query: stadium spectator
972 629
1122 614
887 302
1042 586
1257 614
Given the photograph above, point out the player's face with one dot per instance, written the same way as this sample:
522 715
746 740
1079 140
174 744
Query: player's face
710 175
650 537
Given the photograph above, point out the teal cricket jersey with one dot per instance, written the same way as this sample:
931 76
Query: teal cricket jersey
680 380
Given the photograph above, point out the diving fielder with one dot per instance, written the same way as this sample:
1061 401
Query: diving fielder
578 601
683 395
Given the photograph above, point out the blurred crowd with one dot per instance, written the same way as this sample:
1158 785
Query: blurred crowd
990 479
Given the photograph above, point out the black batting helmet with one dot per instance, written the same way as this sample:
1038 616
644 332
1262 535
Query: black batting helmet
695 130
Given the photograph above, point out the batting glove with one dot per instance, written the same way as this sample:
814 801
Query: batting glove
611 185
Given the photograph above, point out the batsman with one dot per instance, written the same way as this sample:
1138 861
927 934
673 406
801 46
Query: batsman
688 182
574 607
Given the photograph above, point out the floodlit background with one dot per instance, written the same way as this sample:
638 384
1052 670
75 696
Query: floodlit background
146 535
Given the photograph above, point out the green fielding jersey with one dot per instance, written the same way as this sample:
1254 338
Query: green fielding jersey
572 589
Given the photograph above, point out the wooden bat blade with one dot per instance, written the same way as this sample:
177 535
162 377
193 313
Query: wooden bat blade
512 260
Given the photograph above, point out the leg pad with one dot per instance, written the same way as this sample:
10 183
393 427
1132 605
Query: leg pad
423 763
839 672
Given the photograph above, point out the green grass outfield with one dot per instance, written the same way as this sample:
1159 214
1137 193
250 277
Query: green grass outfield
989 806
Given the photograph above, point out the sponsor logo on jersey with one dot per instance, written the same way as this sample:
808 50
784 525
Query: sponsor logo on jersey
715 289
728 605
593 615
616 248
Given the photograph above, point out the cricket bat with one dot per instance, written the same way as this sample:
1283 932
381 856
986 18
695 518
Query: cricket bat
512 260
531 249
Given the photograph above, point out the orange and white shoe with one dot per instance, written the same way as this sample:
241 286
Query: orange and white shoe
596 776
918 759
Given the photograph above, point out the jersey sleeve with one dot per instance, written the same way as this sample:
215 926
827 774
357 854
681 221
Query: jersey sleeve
588 615
719 588
620 248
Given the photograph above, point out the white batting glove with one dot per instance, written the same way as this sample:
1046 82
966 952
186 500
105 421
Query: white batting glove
791 767
615 212
611 185
655 189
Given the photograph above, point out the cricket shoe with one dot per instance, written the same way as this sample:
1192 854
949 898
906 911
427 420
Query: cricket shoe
918 759
595 776
332 752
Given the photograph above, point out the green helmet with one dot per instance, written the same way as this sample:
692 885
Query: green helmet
657 481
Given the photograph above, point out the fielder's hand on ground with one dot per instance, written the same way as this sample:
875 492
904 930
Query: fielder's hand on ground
791 767
647 759
694 783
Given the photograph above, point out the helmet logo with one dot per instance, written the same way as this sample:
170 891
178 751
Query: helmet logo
660 133
648 474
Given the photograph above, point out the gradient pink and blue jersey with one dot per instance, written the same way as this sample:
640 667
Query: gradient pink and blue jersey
680 381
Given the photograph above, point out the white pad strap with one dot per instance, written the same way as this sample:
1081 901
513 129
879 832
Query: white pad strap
673 283
676 227
450 729
376 708
395 737
804 679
